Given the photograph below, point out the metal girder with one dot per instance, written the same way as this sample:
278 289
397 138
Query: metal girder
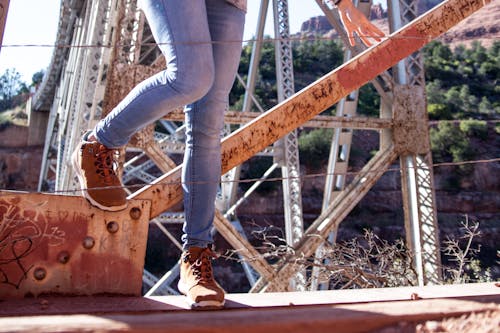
80 74
242 247
341 140
320 121
410 111
287 149
44 96
62 245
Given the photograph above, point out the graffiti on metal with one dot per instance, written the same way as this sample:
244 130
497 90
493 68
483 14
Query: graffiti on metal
61 245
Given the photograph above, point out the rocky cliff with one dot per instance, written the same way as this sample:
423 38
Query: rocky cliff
482 26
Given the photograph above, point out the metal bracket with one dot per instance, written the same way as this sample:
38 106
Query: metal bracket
410 129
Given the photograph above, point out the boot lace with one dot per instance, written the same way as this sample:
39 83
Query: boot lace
202 266
105 164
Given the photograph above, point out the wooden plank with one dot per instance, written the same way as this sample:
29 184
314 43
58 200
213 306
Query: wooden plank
479 292
317 97
360 317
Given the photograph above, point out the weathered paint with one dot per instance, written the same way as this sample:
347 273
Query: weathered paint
411 130
53 244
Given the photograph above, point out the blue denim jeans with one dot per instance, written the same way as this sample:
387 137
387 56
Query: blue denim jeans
201 41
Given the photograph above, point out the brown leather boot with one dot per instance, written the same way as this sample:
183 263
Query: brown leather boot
197 281
95 166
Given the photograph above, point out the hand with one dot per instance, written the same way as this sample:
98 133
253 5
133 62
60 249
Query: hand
354 21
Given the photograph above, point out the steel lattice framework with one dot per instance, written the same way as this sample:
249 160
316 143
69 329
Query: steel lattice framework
84 84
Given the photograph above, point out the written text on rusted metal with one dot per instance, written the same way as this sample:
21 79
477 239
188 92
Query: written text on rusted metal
61 245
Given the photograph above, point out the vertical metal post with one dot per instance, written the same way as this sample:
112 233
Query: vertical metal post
416 168
341 141
230 179
255 58
288 155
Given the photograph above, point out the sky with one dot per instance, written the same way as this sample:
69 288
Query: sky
34 22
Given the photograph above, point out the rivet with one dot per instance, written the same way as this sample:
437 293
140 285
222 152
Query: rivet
40 273
135 213
63 257
88 242
112 227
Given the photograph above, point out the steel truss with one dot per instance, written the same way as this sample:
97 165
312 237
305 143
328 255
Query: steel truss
90 78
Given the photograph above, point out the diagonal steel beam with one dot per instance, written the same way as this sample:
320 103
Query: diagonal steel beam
312 100
243 247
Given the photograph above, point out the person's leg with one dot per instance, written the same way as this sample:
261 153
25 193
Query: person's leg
181 30
202 159
204 123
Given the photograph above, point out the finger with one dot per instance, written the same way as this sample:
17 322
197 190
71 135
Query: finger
352 40
365 39
376 32
369 34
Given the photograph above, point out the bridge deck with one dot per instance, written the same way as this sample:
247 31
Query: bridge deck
322 311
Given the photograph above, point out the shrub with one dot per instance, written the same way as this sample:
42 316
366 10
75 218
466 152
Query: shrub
5 120
473 127
438 111
314 146
449 142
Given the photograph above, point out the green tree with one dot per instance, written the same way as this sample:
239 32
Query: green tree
37 78
449 143
438 111
474 127
10 86
314 146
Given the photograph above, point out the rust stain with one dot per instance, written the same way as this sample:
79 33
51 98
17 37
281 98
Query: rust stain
42 246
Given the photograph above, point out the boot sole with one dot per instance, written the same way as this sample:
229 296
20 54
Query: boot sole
203 305
85 194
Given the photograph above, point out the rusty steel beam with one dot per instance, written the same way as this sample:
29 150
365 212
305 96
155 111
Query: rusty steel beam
241 117
53 244
312 100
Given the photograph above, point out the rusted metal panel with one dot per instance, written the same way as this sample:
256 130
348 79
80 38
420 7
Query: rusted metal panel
317 97
51 244
411 130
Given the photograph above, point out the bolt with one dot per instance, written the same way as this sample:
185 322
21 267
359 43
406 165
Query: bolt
63 257
88 242
135 213
112 227
40 273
